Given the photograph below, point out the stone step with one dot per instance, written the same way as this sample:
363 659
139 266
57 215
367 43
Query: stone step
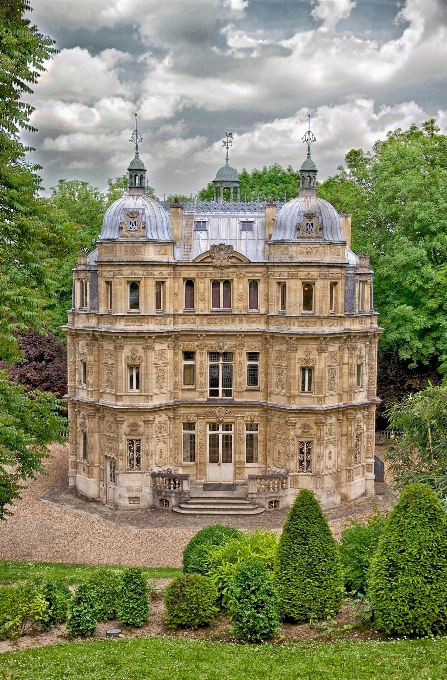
218 506
217 500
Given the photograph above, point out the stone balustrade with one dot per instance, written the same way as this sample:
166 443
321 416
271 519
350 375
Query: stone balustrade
271 483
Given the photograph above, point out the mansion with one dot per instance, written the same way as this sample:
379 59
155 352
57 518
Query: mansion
224 349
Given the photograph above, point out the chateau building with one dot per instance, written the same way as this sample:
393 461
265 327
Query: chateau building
222 346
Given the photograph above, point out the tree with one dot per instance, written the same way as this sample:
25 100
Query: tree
419 453
254 602
272 181
398 199
33 240
308 572
408 573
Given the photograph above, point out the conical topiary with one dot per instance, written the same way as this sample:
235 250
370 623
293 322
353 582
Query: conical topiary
308 572
408 573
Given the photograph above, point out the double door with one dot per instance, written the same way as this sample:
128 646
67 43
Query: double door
220 454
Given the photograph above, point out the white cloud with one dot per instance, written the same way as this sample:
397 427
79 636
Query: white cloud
331 11
237 7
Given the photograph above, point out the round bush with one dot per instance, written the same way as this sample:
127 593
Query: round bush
407 580
196 554
106 585
82 612
308 572
254 602
134 598
190 601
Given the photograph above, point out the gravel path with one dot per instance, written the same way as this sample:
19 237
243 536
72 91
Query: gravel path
52 524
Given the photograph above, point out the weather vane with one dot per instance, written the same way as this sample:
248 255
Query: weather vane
136 138
227 142
309 138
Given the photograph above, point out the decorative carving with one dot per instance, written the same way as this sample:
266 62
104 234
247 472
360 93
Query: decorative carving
332 379
161 355
281 357
307 359
280 380
109 382
332 359
133 428
322 345
219 413
132 227
133 357
160 377
161 250
310 227
109 356
306 428
221 255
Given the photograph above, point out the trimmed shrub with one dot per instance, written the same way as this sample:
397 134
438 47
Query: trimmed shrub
254 602
308 571
358 544
224 560
21 609
58 597
106 585
407 581
196 554
82 612
134 598
190 601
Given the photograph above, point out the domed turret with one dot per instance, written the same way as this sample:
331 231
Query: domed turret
227 177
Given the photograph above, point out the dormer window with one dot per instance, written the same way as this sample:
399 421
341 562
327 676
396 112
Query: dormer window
200 225
246 225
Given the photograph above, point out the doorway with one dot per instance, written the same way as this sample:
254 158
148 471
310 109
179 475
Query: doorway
220 466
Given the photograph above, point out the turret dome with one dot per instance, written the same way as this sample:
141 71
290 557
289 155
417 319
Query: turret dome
136 215
227 173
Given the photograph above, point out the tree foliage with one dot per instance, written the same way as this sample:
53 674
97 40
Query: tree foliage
408 574
273 181
82 612
134 598
308 572
397 195
196 556
359 542
190 601
254 602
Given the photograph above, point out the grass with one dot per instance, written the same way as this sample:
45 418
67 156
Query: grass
174 659
71 574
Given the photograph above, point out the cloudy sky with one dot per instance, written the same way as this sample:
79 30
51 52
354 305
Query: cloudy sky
193 69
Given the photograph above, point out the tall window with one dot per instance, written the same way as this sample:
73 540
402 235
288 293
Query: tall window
189 369
253 295
134 295
189 294
84 447
252 369
251 442
112 471
307 375
83 372
359 377
358 448
282 297
220 442
332 296
159 296
220 374
221 294
108 295
83 294
134 454
362 296
133 375
189 442
308 297
304 456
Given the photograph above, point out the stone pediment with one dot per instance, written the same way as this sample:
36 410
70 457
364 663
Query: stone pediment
221 256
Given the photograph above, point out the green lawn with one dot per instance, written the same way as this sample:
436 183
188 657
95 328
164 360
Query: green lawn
174 659
11 572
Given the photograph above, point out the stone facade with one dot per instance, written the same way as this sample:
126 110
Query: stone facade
210 346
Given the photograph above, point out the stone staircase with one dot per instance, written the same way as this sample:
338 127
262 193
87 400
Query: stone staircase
218 505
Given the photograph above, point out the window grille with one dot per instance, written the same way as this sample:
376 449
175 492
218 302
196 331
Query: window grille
134 454
305 456
252 369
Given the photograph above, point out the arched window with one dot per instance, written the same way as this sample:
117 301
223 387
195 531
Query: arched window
189 294
221 294
253 295
134 295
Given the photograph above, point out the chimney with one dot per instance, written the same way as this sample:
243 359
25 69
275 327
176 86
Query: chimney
345 221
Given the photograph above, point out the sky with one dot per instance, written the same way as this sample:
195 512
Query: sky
194 69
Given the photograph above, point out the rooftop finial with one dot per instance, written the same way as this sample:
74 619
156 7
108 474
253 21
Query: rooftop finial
309 138
227 142
136 138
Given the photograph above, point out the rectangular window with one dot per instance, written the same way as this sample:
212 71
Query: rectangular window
83 294
159 296
134 295
133 374
220 443
362 296
253 295
251 442
221 294
83 372
189 442
358 448
134 454
200 225
189 294
282 297
332 296
220 374
308 297
359 375
246 225
108 296
307 379
189 369
84 447
304 456
112 471
252 369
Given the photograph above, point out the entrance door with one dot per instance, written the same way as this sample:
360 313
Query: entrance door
220 468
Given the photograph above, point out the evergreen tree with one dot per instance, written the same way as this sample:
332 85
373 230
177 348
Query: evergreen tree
408 573
134 598
308 571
